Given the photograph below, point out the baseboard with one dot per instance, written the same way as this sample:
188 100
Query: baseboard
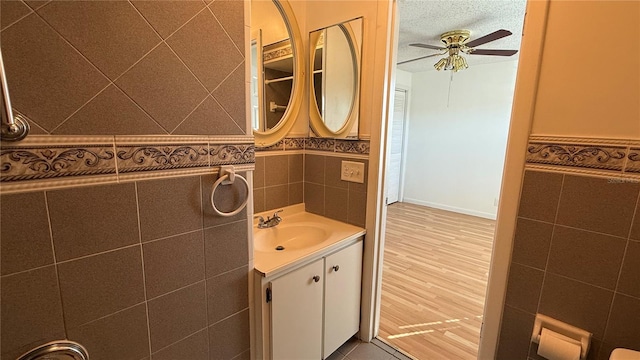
481 214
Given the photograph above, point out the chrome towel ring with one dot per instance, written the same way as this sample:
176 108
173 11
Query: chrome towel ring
227 176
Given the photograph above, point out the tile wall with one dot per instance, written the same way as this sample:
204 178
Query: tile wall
139 268
325 194
143 259
277 181
576 258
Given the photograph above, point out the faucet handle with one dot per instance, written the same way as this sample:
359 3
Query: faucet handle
276 216
260 219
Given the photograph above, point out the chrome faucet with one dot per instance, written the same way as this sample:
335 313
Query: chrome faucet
270 222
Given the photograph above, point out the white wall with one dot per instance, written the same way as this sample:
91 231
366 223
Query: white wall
456 142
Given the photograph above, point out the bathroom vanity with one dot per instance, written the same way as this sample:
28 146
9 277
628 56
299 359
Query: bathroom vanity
307 293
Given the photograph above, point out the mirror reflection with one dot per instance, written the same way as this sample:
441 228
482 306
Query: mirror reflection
272 65
335 80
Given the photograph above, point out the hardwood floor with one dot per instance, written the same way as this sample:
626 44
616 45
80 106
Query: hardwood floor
434 280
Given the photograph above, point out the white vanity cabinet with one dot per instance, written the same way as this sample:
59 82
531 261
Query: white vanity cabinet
308 312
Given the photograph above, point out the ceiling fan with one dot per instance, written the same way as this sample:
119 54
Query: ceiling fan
455 44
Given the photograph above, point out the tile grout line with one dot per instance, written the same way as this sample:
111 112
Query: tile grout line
31 11
204 258
207 6
55 263
110 82
624 256
177 341
546 265
144 276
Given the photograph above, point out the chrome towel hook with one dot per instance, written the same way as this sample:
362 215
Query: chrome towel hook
227 176
11 128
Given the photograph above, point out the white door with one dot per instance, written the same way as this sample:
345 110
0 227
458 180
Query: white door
343 281
296 314
396 134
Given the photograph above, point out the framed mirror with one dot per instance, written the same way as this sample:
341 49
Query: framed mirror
334 92
277 70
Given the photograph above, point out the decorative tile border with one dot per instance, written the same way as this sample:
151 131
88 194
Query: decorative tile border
359 147
55 161
607 157
46 162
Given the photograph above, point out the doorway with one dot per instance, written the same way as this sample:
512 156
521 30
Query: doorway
439 234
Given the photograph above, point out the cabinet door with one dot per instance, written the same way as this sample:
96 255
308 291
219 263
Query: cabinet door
343 282
296 314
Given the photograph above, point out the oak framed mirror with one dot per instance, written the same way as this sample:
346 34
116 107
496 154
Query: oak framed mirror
277 70
334 84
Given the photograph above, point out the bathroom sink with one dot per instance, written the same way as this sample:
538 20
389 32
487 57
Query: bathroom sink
289 237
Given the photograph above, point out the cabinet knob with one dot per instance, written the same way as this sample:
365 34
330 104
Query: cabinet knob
316 278
336 268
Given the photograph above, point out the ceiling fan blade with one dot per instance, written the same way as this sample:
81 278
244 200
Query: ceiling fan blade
426 46
493 52
488 38
416 59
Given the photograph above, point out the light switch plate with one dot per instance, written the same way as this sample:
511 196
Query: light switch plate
352 171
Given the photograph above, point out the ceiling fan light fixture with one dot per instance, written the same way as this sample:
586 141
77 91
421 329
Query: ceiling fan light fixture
440 64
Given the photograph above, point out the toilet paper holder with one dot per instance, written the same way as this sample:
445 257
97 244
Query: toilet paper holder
581 335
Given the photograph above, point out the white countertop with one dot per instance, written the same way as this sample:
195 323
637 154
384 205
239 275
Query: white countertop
339 234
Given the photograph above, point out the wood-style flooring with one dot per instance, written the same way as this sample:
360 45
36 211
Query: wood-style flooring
434 280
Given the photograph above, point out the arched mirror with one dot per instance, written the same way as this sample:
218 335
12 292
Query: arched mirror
335 81
276 70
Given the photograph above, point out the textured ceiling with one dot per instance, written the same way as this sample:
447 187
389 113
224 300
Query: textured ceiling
422 21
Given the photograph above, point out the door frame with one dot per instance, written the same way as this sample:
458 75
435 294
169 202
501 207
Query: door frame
531 52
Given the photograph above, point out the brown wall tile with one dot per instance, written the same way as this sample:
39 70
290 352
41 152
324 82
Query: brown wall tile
173 263
227 294
296 168
259 173
169 207
314 198
24 247
117 38
31 309
357 208
39 62
623 329
195 347
576 303
229 337
206 49
635 228
586 256
122 335
99 285
174 316
314 166
276 197
515 334
231 15
158 77
97 117
629 282
296 193
11 11
531 243
540 195
276 170
93 219
334 203
523 288
226 248
167 16
208 118
231 95
333 172
608 208
258 200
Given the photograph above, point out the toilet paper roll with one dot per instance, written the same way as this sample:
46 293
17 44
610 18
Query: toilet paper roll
554 346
